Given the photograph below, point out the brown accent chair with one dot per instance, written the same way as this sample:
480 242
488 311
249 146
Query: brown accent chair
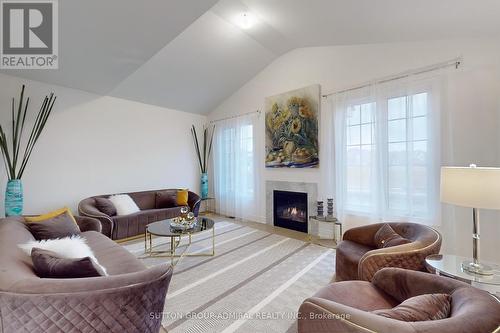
358 258
346 306
130 299
125 226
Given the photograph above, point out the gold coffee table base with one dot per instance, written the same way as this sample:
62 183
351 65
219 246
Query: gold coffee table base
175 241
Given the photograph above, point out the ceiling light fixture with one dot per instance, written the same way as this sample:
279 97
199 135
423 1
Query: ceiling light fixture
245 20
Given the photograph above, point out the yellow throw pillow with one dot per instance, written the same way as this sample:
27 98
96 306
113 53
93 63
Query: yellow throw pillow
50 215
182 197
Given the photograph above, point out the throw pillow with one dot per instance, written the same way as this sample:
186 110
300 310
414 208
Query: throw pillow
57 224
420 308
166 199
124 204
105 206
182 197
48 264
387 237
49 215
73 247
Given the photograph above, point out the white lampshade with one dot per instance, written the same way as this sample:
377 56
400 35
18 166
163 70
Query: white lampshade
471 187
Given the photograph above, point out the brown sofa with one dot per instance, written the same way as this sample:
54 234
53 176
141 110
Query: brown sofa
120 227
130 299
346 306
358 258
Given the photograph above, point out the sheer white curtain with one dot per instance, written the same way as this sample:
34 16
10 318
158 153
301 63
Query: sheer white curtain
236 167
386 141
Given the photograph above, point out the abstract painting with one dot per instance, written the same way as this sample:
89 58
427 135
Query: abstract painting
292 128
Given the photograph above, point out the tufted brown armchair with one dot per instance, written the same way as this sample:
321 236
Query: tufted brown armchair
358 258
346 307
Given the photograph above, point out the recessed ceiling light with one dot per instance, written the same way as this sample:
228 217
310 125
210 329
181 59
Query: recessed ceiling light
245 20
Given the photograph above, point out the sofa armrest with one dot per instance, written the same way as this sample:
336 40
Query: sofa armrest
363 235
318 315
409 256
87 223
86 207
194 202
34 285
135 307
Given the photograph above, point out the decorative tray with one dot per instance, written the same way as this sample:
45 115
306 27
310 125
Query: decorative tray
180 224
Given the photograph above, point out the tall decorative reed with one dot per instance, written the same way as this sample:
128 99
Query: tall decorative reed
16 155
203 154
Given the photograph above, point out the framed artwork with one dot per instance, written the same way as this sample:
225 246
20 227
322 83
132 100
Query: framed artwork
292 128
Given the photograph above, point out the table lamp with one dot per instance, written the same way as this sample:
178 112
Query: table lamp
476 188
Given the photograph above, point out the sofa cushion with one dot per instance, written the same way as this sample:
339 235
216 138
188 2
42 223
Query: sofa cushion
166 199
58 226
111 255
182 197
347 257
49 264
387 237
68 247
105 206
420 308
135 224
54 213
124 204
145 199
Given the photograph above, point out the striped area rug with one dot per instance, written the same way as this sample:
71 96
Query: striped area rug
255 282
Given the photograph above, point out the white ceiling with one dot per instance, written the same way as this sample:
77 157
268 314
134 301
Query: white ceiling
189 55
102 42
199 68
334 22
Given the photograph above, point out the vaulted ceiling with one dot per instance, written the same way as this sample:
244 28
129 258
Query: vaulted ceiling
190 55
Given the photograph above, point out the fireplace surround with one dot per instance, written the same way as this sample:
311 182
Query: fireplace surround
312 195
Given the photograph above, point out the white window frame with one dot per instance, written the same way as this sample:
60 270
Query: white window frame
379 205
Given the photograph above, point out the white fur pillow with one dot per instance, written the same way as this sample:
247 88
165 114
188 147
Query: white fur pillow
74 247
124 204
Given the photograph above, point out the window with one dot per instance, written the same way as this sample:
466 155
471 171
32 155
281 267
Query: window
235 167
225 159
407 155
237 158
248 169
386 165
360 147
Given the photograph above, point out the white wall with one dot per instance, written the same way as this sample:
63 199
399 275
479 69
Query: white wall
95 145
473 113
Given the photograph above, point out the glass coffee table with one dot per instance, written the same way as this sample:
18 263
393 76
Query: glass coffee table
163 229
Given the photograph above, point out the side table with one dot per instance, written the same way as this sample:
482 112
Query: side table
207 205
327 227
451 266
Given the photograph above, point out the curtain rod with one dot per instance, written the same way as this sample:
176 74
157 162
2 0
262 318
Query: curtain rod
454 62
236 116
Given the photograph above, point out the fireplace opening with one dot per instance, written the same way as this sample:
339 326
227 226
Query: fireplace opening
290 210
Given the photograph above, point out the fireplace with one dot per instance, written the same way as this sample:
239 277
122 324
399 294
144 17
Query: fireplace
290 210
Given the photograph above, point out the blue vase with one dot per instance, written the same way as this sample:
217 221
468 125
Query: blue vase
204 185
14 198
